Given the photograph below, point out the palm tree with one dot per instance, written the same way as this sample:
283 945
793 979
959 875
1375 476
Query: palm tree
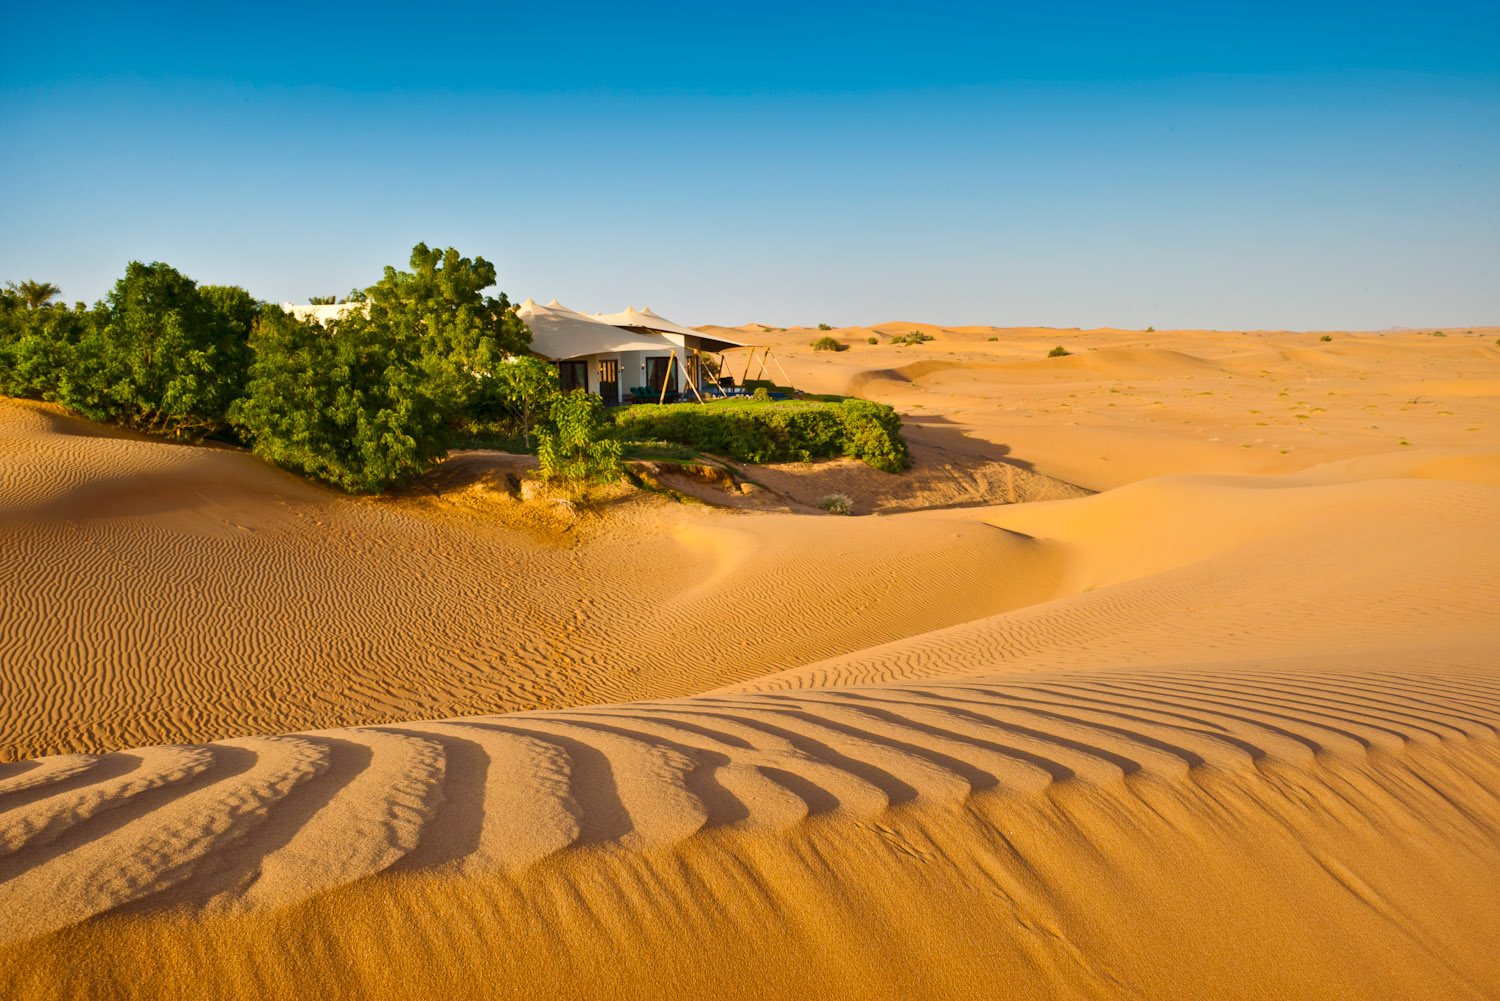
35 294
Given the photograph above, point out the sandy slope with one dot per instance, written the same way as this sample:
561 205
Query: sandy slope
1230 728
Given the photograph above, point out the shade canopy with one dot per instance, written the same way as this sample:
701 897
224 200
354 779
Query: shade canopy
559 333
644 319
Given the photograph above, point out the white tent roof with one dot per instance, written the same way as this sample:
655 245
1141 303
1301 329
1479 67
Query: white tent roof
559 333
651 321
323 313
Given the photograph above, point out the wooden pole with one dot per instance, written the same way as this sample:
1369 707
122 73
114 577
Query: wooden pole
762 370
692 382
748 359
671 358
782 371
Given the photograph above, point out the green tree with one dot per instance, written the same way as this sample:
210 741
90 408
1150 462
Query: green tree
461 334
348 404
525 387
168 357
574 448
34 295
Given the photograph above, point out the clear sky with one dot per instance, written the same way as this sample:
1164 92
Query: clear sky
1226 165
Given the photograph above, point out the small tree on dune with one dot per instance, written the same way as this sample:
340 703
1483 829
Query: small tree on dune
575 448
526 387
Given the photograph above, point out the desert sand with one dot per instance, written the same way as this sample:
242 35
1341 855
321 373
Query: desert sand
1171 670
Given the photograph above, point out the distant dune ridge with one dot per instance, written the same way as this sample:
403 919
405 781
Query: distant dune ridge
1217 714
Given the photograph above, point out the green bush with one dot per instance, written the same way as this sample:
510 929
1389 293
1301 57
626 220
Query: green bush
160 353
836 503
773 432
824 326
574 446
915 337
350 404
1326 337
1059 352
872 340
828 344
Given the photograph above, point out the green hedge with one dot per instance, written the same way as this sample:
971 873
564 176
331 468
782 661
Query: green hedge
773 432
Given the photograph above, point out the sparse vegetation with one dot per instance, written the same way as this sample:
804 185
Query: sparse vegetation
1059 352
1326 337
836 504
828 344
915 337
1150 330
824 326
876 340
1438 333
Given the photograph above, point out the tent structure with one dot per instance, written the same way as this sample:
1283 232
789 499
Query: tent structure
560 334
644 319
618 361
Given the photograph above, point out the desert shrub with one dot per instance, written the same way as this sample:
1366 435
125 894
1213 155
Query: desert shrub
1325 337
350 404
573 446
836 503
1150 330
872 340
1059 352
775 431
828 344
915 337
1438 333
992 338
762 395
824 326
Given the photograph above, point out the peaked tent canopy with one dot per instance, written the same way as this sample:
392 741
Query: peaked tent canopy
559 333
644 319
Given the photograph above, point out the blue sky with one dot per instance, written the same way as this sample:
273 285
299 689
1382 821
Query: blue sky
1073 164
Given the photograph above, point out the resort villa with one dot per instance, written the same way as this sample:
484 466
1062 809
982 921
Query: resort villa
622 356
625 357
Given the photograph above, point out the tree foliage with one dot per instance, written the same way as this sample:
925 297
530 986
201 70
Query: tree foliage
575 447
347 404
34 294
460 334
159 353
523 386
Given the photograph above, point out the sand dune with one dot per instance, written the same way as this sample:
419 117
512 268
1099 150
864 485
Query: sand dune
1134 833
1228 728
